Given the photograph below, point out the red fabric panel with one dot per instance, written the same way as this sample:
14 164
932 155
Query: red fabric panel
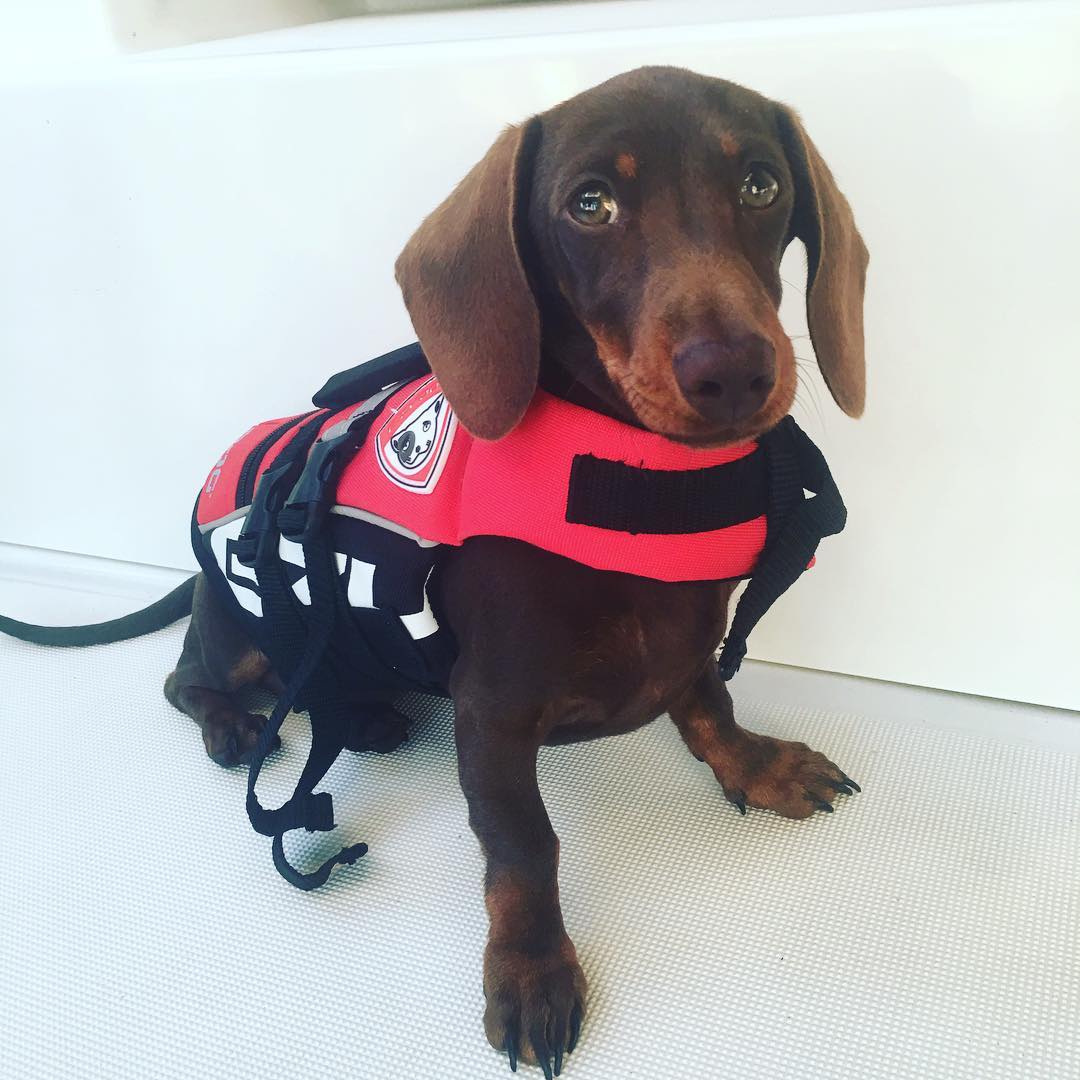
517 487
218 496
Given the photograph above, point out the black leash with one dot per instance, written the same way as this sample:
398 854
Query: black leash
170 608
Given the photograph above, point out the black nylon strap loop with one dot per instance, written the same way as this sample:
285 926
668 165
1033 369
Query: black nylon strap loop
314 812
791 545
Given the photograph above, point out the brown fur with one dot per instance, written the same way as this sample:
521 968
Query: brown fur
626 166
505 289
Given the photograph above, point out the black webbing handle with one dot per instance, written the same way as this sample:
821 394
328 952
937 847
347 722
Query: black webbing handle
360 382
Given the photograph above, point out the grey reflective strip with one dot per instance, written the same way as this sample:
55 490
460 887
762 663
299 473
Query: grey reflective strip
344 511
338 429
224 520
362 410
390 526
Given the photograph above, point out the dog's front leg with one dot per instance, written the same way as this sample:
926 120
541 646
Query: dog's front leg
754 770
533 983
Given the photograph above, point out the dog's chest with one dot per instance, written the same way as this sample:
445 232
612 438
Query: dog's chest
631 666
593 653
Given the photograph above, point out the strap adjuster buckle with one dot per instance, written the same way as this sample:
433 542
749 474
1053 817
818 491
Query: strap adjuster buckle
310 497
267 502
308 502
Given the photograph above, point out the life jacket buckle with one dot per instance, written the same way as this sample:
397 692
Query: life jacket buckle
308 501
267 502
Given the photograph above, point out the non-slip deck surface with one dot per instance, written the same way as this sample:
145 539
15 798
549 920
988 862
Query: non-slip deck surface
928 928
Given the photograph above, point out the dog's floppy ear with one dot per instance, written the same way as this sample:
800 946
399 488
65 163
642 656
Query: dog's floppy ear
468 294
836 267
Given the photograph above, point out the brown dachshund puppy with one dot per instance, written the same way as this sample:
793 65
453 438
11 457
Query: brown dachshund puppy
621 250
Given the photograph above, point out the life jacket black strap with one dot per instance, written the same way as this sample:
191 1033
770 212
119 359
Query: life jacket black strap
794 540
287 648
292 500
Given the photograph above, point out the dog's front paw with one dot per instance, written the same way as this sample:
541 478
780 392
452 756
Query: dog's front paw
786 777
535 1004
230 736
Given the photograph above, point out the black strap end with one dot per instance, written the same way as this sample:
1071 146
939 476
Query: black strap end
731 657
307 882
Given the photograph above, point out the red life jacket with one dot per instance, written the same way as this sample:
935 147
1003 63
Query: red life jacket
551 482
323 532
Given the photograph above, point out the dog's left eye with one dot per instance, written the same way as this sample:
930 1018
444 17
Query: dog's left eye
759 188
593 204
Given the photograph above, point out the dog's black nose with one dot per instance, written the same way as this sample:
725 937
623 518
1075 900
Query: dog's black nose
726 381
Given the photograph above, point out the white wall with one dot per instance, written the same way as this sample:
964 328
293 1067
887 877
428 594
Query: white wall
191 245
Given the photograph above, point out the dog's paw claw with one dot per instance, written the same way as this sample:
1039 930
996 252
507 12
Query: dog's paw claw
542 1051
841 787
575 1028
535 1005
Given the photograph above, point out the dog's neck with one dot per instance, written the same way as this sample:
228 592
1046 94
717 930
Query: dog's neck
571 369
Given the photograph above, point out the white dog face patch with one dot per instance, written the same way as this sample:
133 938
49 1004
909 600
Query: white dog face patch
413 443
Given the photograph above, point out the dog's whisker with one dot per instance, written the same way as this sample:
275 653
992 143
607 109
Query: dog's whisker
811 389
808 399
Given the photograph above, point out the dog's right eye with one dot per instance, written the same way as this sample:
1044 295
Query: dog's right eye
593 204
759 188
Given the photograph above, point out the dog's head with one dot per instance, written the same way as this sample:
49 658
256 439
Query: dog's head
627 244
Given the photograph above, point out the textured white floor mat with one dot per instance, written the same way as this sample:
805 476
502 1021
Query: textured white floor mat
927 929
